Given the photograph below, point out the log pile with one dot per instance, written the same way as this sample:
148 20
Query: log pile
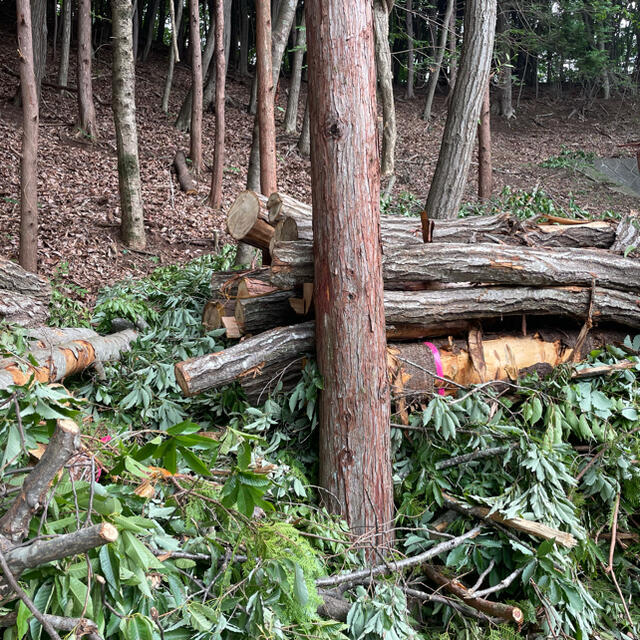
473 276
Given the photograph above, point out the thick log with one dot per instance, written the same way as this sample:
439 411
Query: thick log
246 221
224 284
64 360
627 235
281 206
264 312
185 180
14 278
23 310
214 311
43 337
480 263
254 287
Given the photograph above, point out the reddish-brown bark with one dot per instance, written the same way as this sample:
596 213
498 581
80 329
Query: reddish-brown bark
86 110
196 74
355 465
29 162
485 168
266 118
215 197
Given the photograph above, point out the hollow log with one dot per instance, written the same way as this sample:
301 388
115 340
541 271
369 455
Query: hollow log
480 263
182 172
64 360
628 236
23 310
264 312
14 278
247 222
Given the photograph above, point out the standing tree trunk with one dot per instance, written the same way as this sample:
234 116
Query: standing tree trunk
215 197
459 135
172 55
435 74
606 85
355 461
410 71
381 10
453 61
505 92
63 70
137 11
243 67
39 40
124 115
485 168
29 162
266 96
196 85
151 20
86 110
291 116
304 141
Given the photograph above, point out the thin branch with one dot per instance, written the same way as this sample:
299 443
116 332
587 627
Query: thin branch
474 455
503 584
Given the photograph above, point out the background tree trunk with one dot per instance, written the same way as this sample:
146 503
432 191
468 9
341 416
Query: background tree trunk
215 197
86 109
124 115
243 67
304 141
381 10
410 72
29 162
63 70
151 20
458 139
505 92
453 63
39 40
485 168
355 464
172 58
291 115
196 86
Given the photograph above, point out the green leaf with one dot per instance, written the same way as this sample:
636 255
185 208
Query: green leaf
545 548
137 627
244 455
139 554
300 586
22 621
182 428
194 463
169 459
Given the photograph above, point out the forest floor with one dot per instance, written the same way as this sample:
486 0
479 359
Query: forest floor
78 182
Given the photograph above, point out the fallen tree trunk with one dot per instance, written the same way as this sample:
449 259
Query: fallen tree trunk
16 308
627 236
43 337
214 311
481 263
65 359
264 312
224 284
14 278
182 172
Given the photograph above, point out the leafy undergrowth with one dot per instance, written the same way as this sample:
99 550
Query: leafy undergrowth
222 534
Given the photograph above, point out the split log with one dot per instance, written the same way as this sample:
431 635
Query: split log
480 263
182 172
627 235
497 609
14 278
25 311
64 360
247 222
264 312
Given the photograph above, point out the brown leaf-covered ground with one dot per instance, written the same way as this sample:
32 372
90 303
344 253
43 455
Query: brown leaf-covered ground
78 183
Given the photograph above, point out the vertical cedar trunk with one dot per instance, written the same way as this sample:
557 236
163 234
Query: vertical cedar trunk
172 57
291 115
485 168
381 10
86 110
459 135
29 162
227 32
137 11
243 67
39 40
606 85
151 20
410 55
196 85
266 96
215 197
304 141
63 69
355 461
505 93
54 9
124 115
435 74
453 64
162 20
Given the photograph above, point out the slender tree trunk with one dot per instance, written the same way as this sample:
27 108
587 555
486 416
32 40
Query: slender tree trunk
55 31
137 11
196 84
485 168
151 20
505 94
39 39
63 70
243 68
162 19
606 85
291 115
215 197
453 64
304 141
381 10
266 96
435 74
172 56
86 109
124 115
227 32
355 461
410 54
447 186
28 254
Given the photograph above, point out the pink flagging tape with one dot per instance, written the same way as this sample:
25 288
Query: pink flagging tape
437 361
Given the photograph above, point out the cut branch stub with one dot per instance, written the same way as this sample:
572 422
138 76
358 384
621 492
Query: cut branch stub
246 223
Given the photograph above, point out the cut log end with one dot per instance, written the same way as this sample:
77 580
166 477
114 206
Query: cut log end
69 426
108 532
274 205
243 214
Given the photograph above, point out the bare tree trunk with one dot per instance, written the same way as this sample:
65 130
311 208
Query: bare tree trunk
435 74
453 64
266 96
63 70
304 142
381 10
291 115
355 461
151 20
29 161
136 28
196 75
458 139
485 169
172 57
606 85
215 197
243 68
86 109
124 115
410 54
39 40
505 92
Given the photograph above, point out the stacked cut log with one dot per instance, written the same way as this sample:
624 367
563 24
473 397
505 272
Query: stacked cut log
471 272
24 296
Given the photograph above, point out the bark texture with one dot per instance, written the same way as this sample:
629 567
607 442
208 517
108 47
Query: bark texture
22 310
124 115
63 69
215 196
15 278
173 57
291 115
505 89
182 172
410 53
449 179
86 109
628 236
354 445
195 151
485 167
